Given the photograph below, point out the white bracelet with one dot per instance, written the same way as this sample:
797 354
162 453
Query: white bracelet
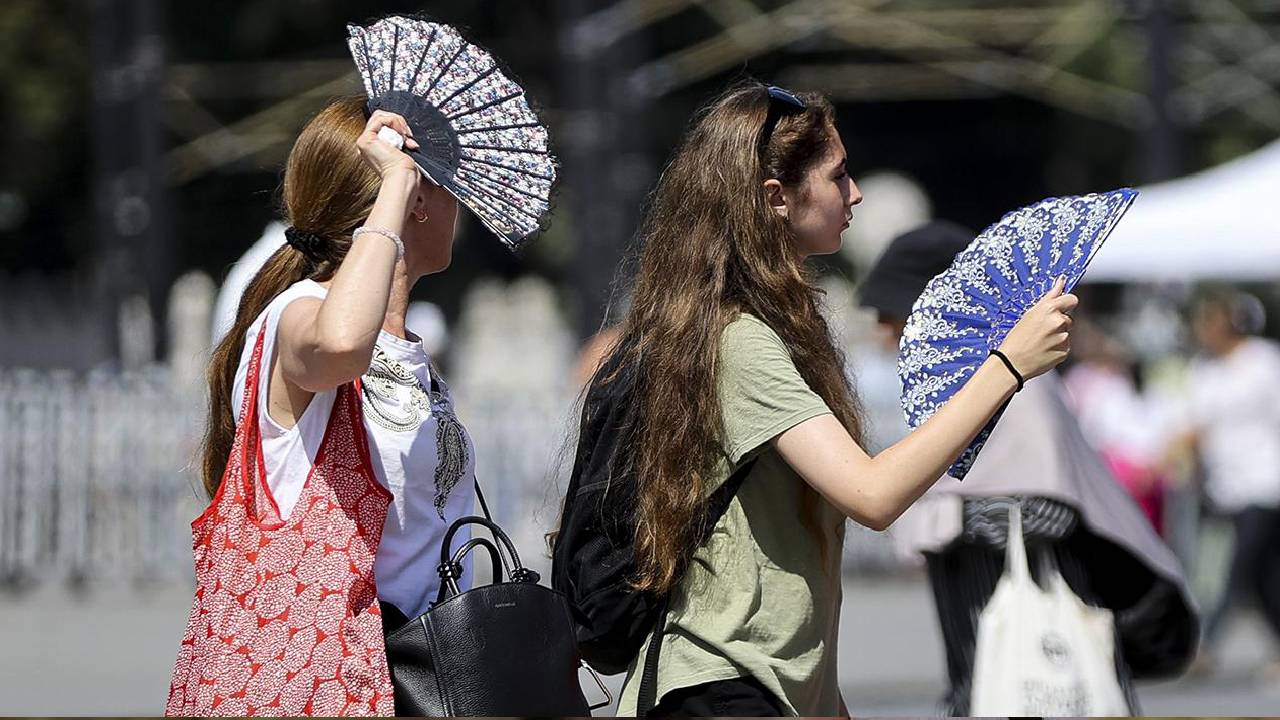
384 233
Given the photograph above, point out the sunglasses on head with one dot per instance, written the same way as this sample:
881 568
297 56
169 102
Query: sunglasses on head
781 101
786 97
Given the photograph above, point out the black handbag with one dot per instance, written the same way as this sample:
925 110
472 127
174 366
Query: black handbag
503 649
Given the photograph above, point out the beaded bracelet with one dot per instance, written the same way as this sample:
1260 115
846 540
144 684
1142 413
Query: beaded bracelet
384 233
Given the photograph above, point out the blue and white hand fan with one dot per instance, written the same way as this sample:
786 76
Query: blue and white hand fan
477 136
966 311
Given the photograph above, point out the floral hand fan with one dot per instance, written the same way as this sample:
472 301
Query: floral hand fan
477 136
967 311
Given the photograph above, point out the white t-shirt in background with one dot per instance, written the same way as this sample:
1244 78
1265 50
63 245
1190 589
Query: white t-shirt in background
420 452
1235 408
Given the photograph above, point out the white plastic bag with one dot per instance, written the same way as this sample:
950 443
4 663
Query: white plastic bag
1042 652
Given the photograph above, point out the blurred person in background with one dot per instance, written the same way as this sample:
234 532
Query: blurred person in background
599 346
1073 510
238 277
1234 416
592 354
1128 432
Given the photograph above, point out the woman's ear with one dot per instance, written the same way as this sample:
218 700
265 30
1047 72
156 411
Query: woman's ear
776 198
418 210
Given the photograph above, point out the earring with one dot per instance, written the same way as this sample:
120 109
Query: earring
420 218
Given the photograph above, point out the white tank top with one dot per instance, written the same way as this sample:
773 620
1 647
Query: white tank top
420 452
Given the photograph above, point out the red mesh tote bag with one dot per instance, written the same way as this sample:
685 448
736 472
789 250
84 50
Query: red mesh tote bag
285 619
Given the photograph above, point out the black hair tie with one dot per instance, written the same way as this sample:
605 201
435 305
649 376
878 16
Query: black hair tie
1009 364
307 243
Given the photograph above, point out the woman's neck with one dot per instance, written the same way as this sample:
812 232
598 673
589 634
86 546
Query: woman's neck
398 301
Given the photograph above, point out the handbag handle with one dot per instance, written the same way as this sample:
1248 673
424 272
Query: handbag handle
498 534
451 569
450 579
1015 558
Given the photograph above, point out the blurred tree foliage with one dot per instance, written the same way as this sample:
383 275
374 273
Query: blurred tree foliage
44 153
976 156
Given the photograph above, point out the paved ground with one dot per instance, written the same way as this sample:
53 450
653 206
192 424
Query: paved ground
109 653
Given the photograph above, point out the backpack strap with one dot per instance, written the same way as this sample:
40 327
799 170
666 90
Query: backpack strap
648 693
717 505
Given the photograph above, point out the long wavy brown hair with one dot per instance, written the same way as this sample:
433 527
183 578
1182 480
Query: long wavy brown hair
327 191
710 249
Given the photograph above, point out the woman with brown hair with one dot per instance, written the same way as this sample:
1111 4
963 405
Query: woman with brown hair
326 309
333 457
733 364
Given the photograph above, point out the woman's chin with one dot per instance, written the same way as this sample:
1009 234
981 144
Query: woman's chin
828 248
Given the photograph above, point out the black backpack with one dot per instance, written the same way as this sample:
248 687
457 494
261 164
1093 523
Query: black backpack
593 557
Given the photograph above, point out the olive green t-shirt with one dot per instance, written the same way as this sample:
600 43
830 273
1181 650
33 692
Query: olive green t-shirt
760 598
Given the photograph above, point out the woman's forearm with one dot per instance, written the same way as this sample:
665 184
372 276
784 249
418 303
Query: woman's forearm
875 491
912 465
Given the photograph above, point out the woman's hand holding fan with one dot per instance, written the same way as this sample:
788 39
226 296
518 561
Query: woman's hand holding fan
1041 340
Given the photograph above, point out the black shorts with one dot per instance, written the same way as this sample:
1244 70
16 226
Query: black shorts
739 697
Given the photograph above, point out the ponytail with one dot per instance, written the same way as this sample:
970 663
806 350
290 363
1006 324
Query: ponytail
328 191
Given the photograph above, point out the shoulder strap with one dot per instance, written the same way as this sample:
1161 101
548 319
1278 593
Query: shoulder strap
484 506
248 431
648 694
355 406
717 505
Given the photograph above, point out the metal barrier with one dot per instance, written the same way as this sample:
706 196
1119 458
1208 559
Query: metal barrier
97 481
93 476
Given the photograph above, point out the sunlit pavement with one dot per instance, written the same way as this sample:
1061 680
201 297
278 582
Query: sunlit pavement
110 653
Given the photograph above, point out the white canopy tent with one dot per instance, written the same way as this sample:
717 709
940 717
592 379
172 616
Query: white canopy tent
1220 224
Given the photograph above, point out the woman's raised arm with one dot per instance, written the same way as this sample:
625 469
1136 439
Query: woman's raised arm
874 491
325 343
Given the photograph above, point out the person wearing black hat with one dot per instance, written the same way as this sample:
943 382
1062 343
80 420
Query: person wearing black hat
910 261
1072 508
